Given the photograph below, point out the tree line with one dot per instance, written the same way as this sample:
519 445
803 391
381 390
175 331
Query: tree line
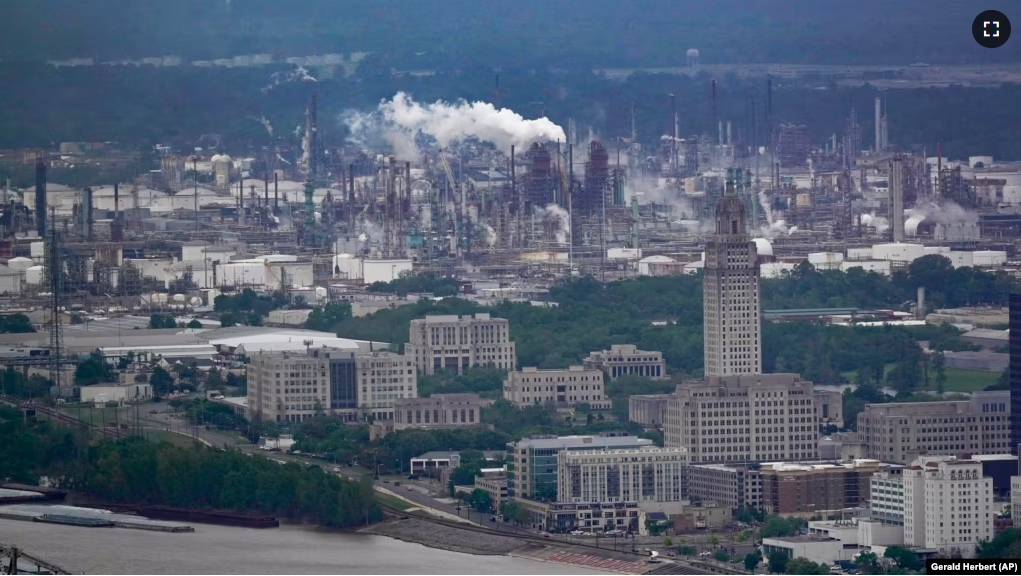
140 471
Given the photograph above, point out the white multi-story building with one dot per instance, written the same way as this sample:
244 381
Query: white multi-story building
731 293
886 494
948 505
733 487
1015 500
456 344
744 418
627 360
295 386
565 388
622 475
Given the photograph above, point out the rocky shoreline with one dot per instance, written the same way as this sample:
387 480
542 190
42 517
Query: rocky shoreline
445 537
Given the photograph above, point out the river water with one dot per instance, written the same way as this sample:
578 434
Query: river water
226 550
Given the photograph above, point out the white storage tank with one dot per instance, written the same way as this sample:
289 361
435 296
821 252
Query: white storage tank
179 298
694 267
898 252
775 269
859 253
34 275
826 260
347 266
321 293
961 259
987 258
161 299
195 301
384 270
877 266
37 250
20 263
624 254
986 161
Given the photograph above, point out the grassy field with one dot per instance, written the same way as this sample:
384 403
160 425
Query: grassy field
958 380
167 436
969 380
393 502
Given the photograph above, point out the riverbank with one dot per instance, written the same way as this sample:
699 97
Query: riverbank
444 537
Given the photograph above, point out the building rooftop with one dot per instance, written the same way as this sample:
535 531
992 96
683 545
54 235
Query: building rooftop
988 334
570 442
811 466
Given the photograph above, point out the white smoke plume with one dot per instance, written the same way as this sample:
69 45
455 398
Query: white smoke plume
649 192
265 124
946 213
556 221
773 229
766 208
880 223
284 160
490 234
299 74
400 120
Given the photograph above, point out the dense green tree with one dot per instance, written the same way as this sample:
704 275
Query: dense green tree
194 324
325 319
480 500
161 382
777 562
802 566
779 526
903 558
157 321
228 319
1006 544
721 556
427 283
15 324
752 561
687 550
93 370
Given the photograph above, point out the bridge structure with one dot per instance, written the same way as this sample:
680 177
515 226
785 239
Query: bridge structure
14 560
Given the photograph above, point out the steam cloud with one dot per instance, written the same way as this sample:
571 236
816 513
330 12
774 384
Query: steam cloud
946 213
299 74
400 120
878 222
556 220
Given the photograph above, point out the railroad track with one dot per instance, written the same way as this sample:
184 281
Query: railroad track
63 418
685 569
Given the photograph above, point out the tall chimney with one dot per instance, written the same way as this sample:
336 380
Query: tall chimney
40 198
728 135
265 188
879 126
897 198
921 303
88 213
407 181
116 201
276 190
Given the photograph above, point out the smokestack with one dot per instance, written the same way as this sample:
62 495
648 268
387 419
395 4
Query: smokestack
407 181
728 134
265 189
88 214
677 134
939 170
879 126
351 184
40 198
921 303
769 111
116 201
719 131
276 190
897 199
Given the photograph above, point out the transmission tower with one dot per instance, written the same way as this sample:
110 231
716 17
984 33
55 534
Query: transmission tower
56 286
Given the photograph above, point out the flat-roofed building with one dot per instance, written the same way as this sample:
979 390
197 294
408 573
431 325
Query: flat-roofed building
493 481
532 462
295 386
564 388
457 343
622 475
627 360
810 489
744 418
733 487
647 409
438 411
948 505
902 431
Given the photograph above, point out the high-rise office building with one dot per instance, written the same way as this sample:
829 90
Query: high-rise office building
731 306
1015 371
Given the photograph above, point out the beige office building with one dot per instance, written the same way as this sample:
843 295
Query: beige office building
732 487
648 410
438 411
622 475
292 387
456 344
627 360
744 418
902 431
565 388
948 505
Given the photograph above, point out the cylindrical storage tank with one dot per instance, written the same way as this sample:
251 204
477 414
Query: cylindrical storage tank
34 275
37 250
986 161
19 263
859 253
321 293
826 260
179 298
195 301
989 258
